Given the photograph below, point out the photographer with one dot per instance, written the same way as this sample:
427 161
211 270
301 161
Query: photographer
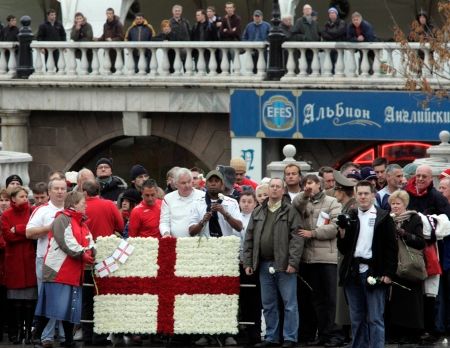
366 238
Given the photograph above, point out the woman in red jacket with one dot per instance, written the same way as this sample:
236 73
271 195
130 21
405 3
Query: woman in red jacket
70 249
20 272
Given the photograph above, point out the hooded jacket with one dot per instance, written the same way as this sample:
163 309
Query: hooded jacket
112 30
140 32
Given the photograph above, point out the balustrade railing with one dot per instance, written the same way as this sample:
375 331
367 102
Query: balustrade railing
8 60
238 61
307 63
334 61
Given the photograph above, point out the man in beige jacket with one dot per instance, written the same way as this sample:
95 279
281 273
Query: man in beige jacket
318 266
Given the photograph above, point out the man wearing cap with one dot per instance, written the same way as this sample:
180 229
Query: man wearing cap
13 181
394 179
240 166
103 219
273 248
335 30
258 29
367 173
110 186
215 214
344 193
177 205
318 213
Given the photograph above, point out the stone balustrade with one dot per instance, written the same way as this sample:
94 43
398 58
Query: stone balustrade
8 60
366 63
308 64
150 60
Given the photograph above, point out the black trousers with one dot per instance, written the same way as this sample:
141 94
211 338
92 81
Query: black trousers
250 305
317 307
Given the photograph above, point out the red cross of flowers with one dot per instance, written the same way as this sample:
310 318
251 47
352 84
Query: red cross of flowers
167 285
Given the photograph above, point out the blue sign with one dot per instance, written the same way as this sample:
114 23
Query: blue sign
358 115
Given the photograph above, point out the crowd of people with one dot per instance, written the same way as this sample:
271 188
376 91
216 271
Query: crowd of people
310 243
210 26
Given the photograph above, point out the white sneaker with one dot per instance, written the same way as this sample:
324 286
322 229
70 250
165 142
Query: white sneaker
230 341
202 341
78 336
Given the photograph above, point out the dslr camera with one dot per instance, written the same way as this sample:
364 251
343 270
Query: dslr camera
344 221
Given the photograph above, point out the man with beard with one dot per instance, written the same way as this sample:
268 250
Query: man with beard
394 180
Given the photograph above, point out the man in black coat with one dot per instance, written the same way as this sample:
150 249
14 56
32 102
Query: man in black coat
367 241
51 30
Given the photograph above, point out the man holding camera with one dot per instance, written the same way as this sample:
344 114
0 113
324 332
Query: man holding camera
367 240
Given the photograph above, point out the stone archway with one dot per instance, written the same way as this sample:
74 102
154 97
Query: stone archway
59 140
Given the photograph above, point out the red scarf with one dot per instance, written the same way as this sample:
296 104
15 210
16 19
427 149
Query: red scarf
412 189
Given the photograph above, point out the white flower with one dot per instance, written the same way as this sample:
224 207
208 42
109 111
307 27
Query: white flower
221 196
272 270
371 280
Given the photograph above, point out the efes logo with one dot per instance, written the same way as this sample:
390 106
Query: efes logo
278 113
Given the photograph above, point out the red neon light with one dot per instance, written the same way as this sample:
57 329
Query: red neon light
385 147
365 157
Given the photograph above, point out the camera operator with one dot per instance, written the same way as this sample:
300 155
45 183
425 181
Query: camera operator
366 238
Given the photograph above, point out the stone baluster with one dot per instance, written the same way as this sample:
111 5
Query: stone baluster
201 64
38 66
339 67
327 66
390 62
303 65
153 63
165 67
119 61
178 64
71 62
365 65
189 64
225 64
426 72
212 68
351 63
3 63
12 62
61 61
95 62
84 64
261 64
249 63
315 64
142 63
106 62
51 68
129 65
290 65
237 62
377 63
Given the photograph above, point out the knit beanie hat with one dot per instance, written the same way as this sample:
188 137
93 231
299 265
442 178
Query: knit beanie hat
104 160
333 9
239 164
14 177
137 170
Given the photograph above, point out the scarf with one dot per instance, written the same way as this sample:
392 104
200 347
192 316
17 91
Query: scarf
412 189
405 216
214 226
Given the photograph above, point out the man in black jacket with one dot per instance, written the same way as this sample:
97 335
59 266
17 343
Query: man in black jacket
367 241
51 30
335 30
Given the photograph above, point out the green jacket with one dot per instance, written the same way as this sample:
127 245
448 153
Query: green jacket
288 246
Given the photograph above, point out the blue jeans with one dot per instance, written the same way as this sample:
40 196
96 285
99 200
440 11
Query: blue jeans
366 312
286 285
49 331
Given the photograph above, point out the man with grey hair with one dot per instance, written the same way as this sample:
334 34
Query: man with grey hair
394 180
83 175
181 27
177 205
170 179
